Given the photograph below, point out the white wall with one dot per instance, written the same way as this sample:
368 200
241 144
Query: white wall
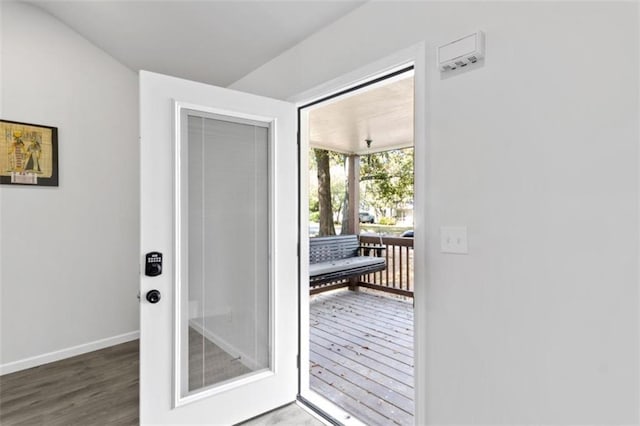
69 270
537 153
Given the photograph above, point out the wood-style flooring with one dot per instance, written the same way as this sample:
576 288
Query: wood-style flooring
97 388
361 355
100 387
361 359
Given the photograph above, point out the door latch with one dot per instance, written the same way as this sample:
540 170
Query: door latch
153 296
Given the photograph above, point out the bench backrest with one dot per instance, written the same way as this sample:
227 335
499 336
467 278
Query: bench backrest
323 249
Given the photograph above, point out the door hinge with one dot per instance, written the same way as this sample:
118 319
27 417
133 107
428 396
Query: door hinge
298 249
298 361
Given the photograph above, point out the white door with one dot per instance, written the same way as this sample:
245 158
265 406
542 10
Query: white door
218 340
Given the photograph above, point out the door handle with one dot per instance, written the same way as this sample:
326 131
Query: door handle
153 296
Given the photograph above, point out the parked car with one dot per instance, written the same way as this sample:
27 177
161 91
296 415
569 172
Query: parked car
407 234
366 217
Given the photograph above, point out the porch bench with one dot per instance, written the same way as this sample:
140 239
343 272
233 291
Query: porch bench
338 257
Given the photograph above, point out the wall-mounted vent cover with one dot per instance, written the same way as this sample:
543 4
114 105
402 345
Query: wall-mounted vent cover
462 52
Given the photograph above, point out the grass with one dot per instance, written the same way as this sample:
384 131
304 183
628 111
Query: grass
374 228
384 229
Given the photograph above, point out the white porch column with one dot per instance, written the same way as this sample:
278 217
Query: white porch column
353 188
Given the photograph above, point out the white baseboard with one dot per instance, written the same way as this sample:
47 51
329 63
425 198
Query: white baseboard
38 360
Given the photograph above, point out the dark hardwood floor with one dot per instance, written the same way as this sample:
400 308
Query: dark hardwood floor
361 358
97 388
101 387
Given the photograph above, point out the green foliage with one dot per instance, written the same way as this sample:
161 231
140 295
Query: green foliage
314 204
386 180
387 220
386 184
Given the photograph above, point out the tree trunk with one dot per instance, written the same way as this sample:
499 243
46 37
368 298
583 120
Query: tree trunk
324 193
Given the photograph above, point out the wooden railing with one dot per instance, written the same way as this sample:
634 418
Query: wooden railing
398 277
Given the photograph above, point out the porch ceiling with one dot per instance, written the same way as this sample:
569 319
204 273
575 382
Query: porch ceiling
383 114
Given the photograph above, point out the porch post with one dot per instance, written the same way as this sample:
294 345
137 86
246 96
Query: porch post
353 207
353 188
353 211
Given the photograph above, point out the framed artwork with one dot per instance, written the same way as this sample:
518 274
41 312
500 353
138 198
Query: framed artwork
28 154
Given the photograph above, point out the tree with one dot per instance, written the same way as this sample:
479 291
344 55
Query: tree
324 192
387 180
386 185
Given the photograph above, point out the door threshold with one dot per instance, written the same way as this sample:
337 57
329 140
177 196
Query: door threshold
327 411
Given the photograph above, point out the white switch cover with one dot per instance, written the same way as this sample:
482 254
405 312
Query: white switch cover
453 239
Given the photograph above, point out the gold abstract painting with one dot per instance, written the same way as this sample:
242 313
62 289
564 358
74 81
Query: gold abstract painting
28 154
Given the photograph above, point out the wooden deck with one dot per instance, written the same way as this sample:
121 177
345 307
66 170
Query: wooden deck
361 355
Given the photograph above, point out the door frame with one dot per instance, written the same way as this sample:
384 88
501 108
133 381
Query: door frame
415 56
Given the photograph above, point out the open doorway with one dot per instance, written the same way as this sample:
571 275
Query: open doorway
357 163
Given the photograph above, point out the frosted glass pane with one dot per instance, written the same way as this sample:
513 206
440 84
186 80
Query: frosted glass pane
225 330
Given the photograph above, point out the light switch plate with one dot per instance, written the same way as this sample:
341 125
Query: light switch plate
453 239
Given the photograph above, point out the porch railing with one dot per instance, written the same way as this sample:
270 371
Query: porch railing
398 277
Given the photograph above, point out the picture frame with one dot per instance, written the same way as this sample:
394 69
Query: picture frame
28 154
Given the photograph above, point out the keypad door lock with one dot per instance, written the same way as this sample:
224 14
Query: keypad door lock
153 264
153 296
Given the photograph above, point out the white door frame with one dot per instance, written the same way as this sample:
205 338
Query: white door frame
415 55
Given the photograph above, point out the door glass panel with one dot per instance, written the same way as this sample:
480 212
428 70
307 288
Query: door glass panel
224 250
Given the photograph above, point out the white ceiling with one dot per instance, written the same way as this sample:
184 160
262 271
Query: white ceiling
219 42
215 42
382 113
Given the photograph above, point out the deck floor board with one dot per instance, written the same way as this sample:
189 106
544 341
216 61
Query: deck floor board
368 328
369 355
361 378
371 326
392 319
396 311
360 358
